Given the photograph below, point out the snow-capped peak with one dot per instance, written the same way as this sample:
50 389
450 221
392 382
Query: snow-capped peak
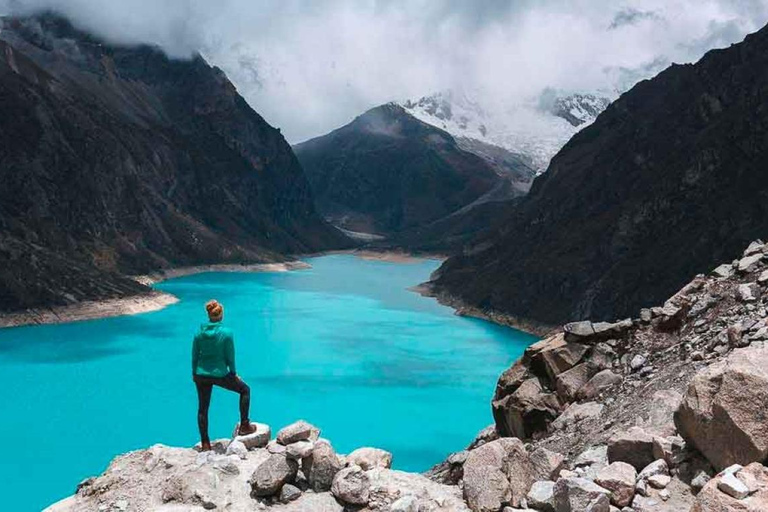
534 127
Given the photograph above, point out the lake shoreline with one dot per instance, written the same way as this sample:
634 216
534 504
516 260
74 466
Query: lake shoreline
496 317
134 304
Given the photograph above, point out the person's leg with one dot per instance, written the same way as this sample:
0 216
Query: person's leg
204 388
236 384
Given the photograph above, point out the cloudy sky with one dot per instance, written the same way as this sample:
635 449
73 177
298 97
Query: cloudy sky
311 66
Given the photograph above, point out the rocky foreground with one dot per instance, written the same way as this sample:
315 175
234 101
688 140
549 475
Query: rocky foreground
662 413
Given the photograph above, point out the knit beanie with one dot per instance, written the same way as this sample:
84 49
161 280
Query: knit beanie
215 310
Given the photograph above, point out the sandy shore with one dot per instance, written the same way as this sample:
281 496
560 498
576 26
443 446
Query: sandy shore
90 310
171 273
390 256
152 301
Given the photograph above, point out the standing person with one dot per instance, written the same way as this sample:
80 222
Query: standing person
213 364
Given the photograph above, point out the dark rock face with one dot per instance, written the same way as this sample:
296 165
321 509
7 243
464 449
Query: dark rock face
118 160
387 172
668 182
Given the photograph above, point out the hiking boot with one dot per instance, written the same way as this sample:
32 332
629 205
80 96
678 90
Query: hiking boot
246 428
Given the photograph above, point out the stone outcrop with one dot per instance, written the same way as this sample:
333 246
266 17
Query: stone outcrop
723 413
739 490
496 474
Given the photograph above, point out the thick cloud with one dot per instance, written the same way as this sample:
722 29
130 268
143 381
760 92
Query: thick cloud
310 66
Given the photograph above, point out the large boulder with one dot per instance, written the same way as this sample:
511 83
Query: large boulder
321 466
496 474
528 410
723 411
580 495
619 478
369 458
351 485
602 381
570 382
270 476
556 357
634 447
715 497
298 431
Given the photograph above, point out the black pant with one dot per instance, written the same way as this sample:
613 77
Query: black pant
204 387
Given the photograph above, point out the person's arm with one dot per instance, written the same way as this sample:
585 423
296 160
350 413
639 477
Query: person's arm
229 352
195 355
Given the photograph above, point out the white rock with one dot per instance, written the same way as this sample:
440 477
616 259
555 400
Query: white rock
299 449
749 263
369 458
637 362
659 481
258 439
732 486
237 448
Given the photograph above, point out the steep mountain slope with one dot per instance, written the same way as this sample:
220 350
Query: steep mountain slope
386 172
117 160
667 182
529 131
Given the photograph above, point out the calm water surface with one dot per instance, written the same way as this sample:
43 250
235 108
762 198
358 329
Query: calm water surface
344 345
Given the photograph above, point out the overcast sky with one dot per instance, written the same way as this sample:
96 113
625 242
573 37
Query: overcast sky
311 66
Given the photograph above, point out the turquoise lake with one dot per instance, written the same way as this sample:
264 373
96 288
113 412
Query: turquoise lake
344 345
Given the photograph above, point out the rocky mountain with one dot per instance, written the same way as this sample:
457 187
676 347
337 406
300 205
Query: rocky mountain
118 160
528 131
666 183
387 172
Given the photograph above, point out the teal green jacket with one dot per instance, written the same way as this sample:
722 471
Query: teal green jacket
213 351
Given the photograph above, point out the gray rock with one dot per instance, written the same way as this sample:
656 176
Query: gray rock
749 292
570 382
671 449
602 381
270 476
659 481
579 495
497 473
646 316
576 331
321 466
351 485
749 263
763 277
723 270
637 362
619 478
237 448
634 447
542 496
299 449
258 439
657 467
754 248
700 480
546 464
298 431
597 455
369 458
289 493
405 504
274 447
576 413
723 411
733 487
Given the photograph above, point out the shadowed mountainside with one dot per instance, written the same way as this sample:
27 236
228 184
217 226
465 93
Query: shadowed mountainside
668 181
387 172
118 160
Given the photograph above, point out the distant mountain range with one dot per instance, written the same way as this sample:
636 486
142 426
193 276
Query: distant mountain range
118 160
668 182
530 130
387 172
